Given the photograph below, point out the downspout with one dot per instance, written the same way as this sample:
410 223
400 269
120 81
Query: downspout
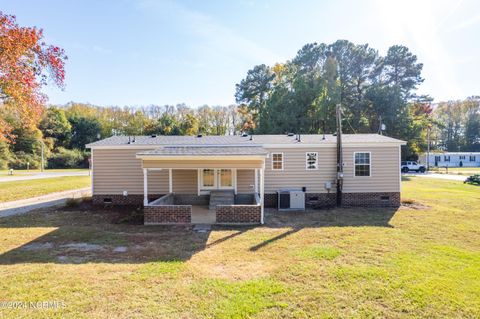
339 156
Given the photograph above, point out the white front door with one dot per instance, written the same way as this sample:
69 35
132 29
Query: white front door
211 179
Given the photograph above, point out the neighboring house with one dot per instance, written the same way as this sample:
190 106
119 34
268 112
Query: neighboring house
451 159
237 176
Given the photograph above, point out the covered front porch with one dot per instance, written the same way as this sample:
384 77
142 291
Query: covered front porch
206 185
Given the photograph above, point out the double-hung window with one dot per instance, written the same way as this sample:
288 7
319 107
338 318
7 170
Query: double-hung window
277 161
446 158
472 158
311 160
362 163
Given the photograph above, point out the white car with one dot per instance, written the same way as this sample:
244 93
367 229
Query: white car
408 166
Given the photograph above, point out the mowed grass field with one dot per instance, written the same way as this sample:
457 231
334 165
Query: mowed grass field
24 172
15 190
422 260
467 171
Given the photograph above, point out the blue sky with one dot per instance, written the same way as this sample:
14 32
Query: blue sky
140 52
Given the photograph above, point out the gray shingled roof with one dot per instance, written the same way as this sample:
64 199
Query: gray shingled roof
236 140
206 151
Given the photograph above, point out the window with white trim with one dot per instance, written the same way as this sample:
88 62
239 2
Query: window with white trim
277 161
462 157
311 160
362 164
472 158
446 158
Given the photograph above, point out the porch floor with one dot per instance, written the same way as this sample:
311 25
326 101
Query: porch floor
203 215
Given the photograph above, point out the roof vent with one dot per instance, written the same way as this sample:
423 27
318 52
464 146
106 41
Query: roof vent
290 134
199 135
154 135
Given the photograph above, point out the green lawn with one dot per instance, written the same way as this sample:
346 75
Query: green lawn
456 170
15 190
420 261
23 172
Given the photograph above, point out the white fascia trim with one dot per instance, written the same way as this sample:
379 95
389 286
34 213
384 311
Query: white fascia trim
201 157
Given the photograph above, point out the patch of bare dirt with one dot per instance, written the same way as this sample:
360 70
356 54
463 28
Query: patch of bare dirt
413 204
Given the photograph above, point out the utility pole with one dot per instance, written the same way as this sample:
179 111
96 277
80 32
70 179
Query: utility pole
43 157
380 125
339 155
429 127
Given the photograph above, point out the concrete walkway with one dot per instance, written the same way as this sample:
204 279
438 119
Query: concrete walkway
54 199
439 176
41 175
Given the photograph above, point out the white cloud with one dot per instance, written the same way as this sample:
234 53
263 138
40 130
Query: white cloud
218 38
419 25
467 23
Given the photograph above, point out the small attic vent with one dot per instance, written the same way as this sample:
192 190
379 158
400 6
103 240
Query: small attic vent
290 134
153 135
199 135
244 134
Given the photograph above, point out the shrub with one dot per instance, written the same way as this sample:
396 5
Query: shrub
20 160
65 158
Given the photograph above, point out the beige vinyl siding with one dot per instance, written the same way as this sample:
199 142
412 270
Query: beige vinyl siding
115 171
245 181
185 181
294 173
384 170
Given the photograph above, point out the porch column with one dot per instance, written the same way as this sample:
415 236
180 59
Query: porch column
170 181
256 181
145 187
262 195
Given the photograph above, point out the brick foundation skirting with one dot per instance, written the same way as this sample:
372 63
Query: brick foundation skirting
167 214
371 199
312 200
239 214
271 200
320 200
133 199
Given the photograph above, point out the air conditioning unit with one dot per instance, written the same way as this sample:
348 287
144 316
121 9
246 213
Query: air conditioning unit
291 199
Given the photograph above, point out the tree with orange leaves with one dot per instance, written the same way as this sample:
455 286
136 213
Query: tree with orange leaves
26 64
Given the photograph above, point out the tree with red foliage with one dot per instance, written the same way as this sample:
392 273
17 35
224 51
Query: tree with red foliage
26 63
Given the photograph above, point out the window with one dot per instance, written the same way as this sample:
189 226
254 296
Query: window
462 157
208 178
362 164
472 158
226 179
311 160
446 158
438 158
277 161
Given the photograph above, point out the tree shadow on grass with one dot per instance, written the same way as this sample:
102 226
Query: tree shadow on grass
93 235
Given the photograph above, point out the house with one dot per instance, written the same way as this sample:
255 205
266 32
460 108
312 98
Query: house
232 178
451 159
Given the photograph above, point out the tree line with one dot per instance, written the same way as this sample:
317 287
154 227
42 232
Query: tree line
65 130
457 125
